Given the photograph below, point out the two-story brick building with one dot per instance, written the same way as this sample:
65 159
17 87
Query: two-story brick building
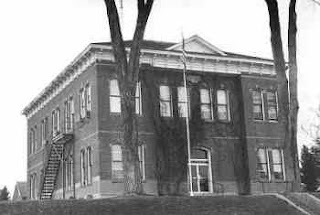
74 128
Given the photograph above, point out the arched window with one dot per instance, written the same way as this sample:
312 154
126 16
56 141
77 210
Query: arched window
201 181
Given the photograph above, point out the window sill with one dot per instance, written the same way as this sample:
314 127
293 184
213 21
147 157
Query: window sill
265 121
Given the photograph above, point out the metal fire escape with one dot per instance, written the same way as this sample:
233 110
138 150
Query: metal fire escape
54 156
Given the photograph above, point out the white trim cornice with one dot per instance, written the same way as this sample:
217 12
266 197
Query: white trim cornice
155 58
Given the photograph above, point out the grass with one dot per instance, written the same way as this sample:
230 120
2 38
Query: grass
316 194
235 205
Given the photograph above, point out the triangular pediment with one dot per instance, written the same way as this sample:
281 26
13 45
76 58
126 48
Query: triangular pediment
198 45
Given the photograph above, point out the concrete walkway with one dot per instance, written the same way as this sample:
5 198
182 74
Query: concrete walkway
306 201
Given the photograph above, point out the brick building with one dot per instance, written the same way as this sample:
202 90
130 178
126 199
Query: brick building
74 131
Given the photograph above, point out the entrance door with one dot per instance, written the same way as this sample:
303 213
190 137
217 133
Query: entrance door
201 181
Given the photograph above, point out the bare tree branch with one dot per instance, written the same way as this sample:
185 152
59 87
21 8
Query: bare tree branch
317 2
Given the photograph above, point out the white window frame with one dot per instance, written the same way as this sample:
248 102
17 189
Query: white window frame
114 107
141 154
201 162
82 103
138 99
185 102
113 161
275 106
227 105
83 167
88 99
270 164
89 165
162 100
210 104
262 104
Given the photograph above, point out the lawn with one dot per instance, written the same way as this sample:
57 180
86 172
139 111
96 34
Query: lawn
235 205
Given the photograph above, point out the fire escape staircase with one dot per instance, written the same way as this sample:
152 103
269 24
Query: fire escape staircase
54 156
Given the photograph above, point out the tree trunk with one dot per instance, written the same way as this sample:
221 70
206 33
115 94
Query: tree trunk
293 86
128 73
288 109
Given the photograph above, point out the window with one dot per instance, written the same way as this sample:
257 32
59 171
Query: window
69 172
206 104
165 101
141 154
270 164
262 164
35 139
69 114
265 105
44 131
88 99
89 165
257 100
82 103
223 105
55 122
32 140
82 168
183 102
115 98
272 105
201 176
33 188
138 100
117 166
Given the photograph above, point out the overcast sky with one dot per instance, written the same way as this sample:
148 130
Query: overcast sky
40 38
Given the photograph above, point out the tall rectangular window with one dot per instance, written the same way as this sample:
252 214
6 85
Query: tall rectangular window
82 103
138 99
44 131
82 168
270 164
89 165
206 104
165 101
262 164
183 109
141 154
223 105
272 105
53 123
68 114
88 99
115 98
257 100
58 120
117 166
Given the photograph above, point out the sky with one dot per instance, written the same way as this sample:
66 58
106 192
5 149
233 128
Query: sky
40 38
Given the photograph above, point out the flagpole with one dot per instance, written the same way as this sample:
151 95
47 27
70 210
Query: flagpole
184 60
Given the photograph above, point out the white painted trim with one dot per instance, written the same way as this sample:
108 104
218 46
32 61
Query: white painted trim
156 58
200 40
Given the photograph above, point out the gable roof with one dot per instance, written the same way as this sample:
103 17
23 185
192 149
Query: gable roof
198 45
193 45
20 191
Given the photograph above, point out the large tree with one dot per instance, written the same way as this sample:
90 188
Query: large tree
309 170
288 104
127 70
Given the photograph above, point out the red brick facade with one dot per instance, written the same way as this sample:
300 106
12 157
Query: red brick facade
100 129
